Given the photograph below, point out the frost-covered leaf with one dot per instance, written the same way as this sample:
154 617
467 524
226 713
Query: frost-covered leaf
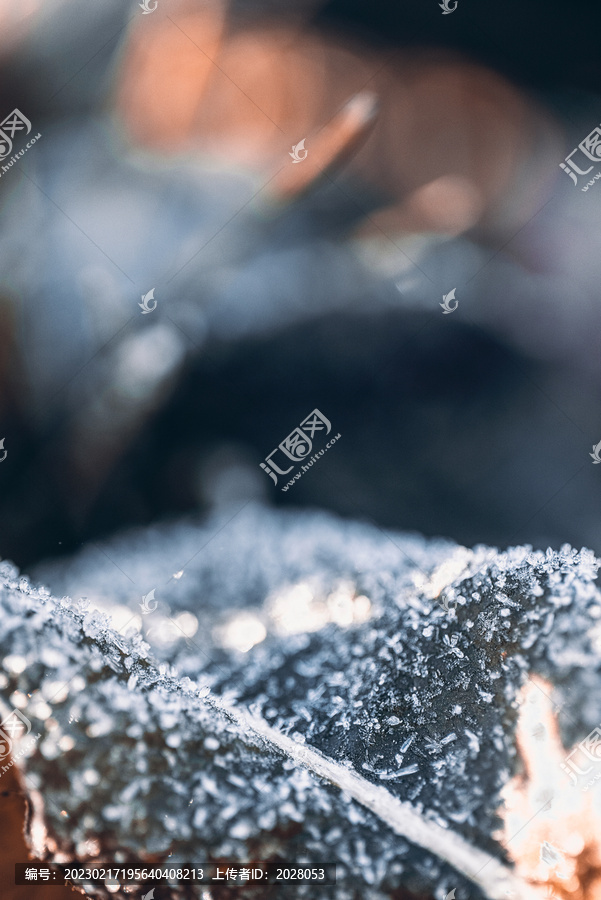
366 726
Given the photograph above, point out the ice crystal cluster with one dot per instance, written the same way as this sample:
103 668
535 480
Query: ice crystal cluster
398 659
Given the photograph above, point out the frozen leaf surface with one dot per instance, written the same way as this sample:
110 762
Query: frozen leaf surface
367 725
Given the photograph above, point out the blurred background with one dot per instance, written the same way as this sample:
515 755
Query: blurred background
433 149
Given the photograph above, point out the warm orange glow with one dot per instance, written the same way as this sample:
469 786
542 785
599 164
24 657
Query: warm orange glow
551 829
446 151
17 20
165 73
